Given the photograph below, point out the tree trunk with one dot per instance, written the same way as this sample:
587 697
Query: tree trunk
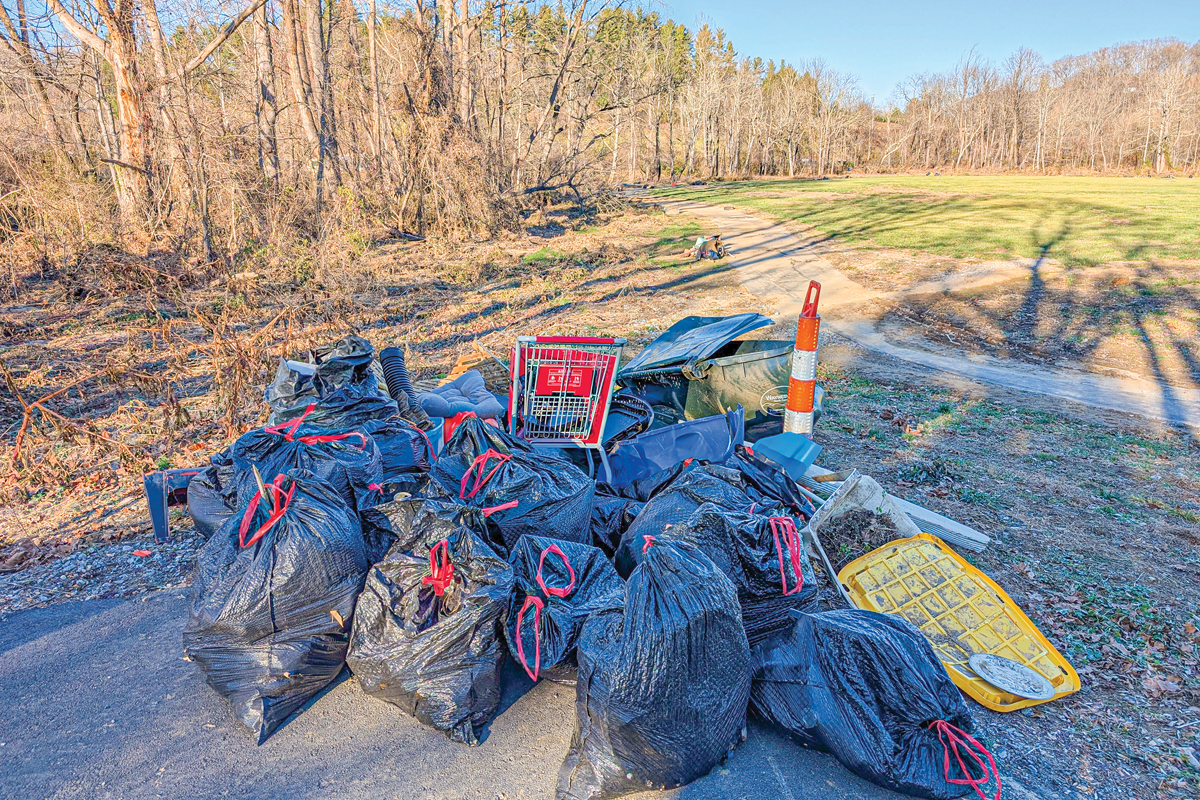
298 58
133 186
265 108
18 43
376 111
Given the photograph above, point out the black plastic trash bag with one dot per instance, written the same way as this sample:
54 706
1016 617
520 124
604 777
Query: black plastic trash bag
762 555
521 490
399 515
212 495
769 481
676 503
273 597
616 507
558 585
342 392
403 447
611 517
428 630
868 688
348 459
663 683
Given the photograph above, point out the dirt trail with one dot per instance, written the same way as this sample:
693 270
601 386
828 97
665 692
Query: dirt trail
775 265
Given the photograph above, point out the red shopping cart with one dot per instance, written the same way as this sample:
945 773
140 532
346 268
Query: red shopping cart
561 388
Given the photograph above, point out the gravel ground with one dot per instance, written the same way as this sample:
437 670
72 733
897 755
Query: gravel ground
104 571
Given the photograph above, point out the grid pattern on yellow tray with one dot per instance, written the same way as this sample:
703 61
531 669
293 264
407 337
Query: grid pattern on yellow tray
960 611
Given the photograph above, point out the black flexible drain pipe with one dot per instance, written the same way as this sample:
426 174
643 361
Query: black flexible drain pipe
396 374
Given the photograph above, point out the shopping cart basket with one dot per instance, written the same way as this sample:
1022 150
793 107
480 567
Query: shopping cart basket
561 387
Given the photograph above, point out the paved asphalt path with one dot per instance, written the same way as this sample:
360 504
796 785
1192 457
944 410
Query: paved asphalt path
99 703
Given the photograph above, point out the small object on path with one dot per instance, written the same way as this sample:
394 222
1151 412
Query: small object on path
166 488
141 553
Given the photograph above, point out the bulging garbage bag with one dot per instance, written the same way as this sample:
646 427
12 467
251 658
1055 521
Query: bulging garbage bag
616 507
342 390
523 491
349 460
663 683
762 555
675 505
272 600
611 517
428 630
558 585
868 688
400 516
212 495
403 447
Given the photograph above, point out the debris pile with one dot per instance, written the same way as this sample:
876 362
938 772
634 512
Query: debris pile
678 587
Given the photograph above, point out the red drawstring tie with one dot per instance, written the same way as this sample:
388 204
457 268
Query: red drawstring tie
440 575
555 591
331 437
649 541
288 431
537 604
425 436
476 471
793 543
487 512
953 737
277 510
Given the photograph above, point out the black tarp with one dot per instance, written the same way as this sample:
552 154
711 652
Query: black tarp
690 340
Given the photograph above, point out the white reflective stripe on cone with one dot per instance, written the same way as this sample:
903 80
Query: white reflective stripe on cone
797 421
804 365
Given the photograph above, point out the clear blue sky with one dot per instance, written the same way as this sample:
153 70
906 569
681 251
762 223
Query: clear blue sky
881 42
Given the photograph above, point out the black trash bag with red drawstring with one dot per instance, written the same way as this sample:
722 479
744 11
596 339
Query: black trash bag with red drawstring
349 460
272 600
663 682
404 448
764 556
746 483
558 585
428 630
522 490
395 513
868 688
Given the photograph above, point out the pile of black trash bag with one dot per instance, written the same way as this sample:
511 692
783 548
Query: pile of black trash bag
341 542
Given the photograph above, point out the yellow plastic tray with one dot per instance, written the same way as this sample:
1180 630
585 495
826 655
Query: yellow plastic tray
960 610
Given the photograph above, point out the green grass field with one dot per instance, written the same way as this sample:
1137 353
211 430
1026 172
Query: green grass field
1079 221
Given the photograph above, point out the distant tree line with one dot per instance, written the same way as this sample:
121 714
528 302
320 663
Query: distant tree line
237 128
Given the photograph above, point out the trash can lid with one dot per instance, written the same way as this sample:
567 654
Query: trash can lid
692 339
